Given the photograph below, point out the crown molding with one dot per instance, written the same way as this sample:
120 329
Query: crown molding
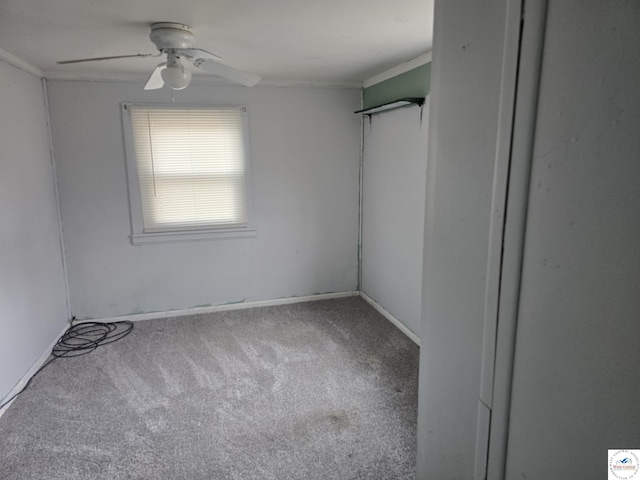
196 80
20 64
398 70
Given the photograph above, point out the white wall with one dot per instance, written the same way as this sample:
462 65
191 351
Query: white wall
393 198
33 308
576 378
463 130
304 153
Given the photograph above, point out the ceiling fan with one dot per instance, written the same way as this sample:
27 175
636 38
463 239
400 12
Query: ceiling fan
175 40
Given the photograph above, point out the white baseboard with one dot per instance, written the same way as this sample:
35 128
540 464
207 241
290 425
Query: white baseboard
391 318
227 307
31 372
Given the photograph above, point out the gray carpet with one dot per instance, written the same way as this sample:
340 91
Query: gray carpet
317 390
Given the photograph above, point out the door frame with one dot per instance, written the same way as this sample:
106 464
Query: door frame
522 63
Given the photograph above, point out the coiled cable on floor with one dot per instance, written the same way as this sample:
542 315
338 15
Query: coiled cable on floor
81 339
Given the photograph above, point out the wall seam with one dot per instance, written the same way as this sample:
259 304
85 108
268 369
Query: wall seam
360 193
57 197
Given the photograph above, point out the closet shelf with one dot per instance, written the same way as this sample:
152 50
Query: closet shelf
385 107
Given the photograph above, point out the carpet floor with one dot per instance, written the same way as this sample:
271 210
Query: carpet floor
317 390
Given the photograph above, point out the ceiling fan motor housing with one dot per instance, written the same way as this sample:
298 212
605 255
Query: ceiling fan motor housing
168 35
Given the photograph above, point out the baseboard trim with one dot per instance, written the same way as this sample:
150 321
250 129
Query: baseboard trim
31 372
227 307
391 318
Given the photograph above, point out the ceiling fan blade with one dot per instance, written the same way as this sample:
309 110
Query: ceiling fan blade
225 71
195 53
155 79
97 59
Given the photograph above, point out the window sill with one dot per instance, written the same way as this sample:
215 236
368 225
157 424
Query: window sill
191 236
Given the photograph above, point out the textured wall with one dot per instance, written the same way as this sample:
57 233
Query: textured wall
576 378
33 306
394 177
304 157
463 126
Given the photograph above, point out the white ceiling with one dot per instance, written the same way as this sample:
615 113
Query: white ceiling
321 42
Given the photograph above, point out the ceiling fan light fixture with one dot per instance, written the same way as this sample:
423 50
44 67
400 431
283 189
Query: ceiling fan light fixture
177 78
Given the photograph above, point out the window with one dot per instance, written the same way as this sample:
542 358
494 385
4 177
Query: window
188 172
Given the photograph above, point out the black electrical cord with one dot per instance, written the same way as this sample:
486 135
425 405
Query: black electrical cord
81 339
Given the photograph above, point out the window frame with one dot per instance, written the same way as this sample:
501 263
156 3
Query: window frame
138 234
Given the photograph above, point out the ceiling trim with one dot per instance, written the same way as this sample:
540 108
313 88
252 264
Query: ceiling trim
197 80
96 77
14 61
398 70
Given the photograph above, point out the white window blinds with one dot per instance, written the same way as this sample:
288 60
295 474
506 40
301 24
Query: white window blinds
191 166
